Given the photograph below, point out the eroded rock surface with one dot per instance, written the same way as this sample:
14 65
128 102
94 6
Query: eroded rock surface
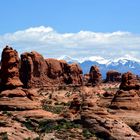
76 74
127 100
63 73
95 76
107 126
10 69
113 76
83 112
33 70
127 97
36 71
18 99
129 81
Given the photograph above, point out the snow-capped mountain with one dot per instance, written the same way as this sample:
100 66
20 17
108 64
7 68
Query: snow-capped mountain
122 64
68 59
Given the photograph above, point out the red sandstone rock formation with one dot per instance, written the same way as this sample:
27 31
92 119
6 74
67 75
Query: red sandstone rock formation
106 126
33 70
128 96
10 68
113 76
95 75
76 74
129 81
86 79
127 100
36 71
54 68
63 73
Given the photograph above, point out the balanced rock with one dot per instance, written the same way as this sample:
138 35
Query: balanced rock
10 68
129 81
95 76
113 76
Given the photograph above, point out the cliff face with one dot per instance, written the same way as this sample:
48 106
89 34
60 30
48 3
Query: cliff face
10 68
33 70
36 71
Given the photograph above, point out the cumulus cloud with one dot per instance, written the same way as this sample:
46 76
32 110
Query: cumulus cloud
82 44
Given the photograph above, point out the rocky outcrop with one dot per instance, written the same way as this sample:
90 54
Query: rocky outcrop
103 123
33 70
36 71
86 78
129 81
11 129
113 76
18 99
54 68
106 126
76 74
127 100
10 69
128 96
58 71
95 76
63 73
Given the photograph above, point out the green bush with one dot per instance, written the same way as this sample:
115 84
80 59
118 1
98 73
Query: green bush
4 136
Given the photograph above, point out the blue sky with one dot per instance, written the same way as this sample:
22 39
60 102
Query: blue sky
71 15
76 28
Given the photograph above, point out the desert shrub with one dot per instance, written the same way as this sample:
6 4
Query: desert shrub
7 113
49 126
4 135
87 134
54 109
29 124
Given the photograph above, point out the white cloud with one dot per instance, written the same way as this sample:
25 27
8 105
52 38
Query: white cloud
50 43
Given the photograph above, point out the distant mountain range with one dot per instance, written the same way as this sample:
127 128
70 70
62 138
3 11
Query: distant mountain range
122 64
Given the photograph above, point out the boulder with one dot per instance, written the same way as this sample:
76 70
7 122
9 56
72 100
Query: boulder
95 76
129 81
10 69
113 76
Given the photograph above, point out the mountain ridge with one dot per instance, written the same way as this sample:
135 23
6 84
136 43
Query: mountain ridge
122 64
